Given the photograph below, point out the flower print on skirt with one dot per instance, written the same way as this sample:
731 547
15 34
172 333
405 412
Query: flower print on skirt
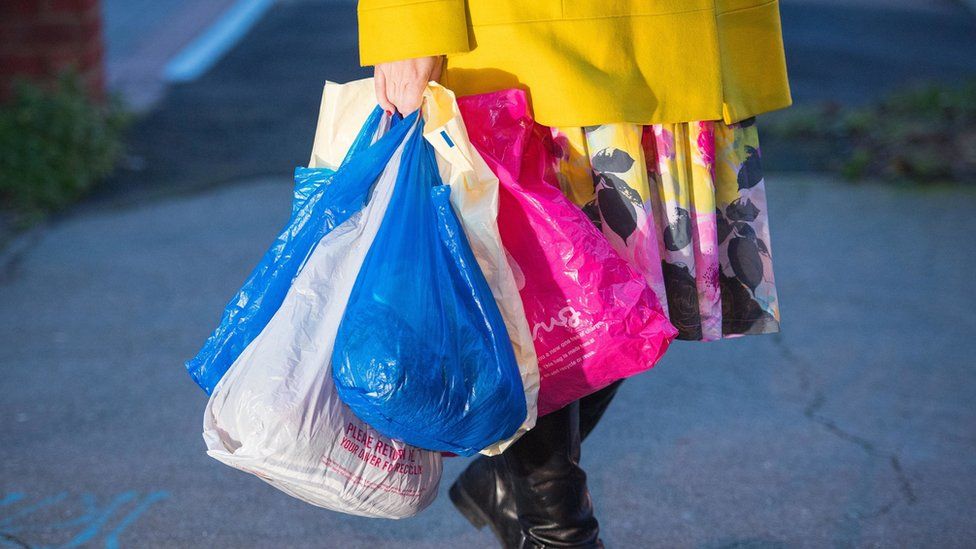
686 205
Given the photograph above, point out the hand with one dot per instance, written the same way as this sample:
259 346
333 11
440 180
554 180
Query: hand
400 85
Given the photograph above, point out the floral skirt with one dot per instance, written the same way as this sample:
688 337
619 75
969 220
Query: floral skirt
686 205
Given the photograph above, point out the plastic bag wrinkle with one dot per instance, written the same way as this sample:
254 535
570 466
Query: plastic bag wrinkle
422 353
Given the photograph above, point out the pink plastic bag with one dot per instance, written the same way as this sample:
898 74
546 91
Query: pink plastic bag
593 318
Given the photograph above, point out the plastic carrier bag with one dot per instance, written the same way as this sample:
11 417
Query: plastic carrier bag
422 353
474 196
276 413
323 201
592 317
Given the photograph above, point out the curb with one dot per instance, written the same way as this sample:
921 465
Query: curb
200 55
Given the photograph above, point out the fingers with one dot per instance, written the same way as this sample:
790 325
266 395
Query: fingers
380 85
435 74
405 90
400 85
392 90
411 95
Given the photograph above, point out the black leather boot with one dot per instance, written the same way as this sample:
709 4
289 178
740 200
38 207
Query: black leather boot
554 507
593 406
483 495
483 492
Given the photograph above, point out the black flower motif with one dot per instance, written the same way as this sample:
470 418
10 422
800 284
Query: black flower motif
618 212
613 182
677 234
722 226
742 209
592 211
747 122
745 261
741 313
618 204
763 249
744 230
682 295
612 160
750 173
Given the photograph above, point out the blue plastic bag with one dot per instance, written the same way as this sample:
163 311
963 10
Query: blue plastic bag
422 353
324 199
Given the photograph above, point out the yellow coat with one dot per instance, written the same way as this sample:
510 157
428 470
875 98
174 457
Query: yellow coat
587 62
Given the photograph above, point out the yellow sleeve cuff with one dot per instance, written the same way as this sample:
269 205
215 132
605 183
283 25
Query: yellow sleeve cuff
391 30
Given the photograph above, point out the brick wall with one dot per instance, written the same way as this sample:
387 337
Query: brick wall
41 38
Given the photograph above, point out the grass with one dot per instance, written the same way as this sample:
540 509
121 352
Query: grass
56 143
924 135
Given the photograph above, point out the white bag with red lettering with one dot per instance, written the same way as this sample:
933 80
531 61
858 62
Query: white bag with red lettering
275 413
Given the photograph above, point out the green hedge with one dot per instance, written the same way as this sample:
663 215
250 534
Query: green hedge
924 135
55 144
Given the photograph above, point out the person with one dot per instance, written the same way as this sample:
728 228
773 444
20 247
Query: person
651 106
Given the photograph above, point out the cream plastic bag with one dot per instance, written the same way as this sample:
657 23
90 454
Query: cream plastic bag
474 196
343 107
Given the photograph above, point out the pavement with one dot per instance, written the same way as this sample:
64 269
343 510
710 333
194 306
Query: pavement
142 36
252 115
853 428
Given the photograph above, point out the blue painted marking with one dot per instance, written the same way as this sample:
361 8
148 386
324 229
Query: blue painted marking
93 518
43 504
204 52
90 511
99 520
11 498
112 539
447 138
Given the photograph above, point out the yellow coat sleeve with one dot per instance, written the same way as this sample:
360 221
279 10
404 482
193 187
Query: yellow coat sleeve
391 30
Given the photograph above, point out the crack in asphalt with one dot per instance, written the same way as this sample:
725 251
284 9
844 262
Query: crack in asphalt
9 538
811 412
879 512
907 489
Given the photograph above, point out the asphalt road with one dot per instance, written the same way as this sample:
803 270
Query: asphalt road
852 51
855 427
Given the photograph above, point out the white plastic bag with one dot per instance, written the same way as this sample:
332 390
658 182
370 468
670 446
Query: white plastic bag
276 413
474 196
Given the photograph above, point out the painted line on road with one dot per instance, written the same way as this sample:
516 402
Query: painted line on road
79 516
203 52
